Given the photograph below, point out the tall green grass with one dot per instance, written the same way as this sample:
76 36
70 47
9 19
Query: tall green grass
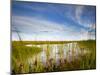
88 61
20 53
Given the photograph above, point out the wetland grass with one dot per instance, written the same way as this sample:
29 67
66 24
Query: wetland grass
86 60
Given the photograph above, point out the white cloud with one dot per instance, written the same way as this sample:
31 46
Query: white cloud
36 25
78 13
43 28
93 26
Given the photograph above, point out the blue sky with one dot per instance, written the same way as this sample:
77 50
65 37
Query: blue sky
49 21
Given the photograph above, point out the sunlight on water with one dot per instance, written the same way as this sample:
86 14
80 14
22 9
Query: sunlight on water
69 52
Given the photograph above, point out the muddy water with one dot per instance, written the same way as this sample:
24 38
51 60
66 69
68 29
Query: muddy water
55 52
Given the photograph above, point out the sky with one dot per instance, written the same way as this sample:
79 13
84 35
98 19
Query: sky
52 21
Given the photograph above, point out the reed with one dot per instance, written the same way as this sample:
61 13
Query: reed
20 54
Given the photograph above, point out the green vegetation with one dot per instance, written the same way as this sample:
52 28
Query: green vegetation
89 60
20 54
43 42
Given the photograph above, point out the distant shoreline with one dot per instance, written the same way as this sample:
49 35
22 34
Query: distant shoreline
49 42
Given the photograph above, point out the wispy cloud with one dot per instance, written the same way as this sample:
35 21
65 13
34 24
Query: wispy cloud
52 21
78 13
26 24
33 26
29 24
85 15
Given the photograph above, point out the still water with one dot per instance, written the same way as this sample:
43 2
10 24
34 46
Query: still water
55 52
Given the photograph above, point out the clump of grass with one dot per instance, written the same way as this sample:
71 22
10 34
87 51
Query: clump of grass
20 54
88 61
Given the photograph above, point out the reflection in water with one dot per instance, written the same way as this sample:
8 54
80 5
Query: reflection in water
57 53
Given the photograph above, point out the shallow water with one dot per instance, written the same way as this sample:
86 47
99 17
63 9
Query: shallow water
69 52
